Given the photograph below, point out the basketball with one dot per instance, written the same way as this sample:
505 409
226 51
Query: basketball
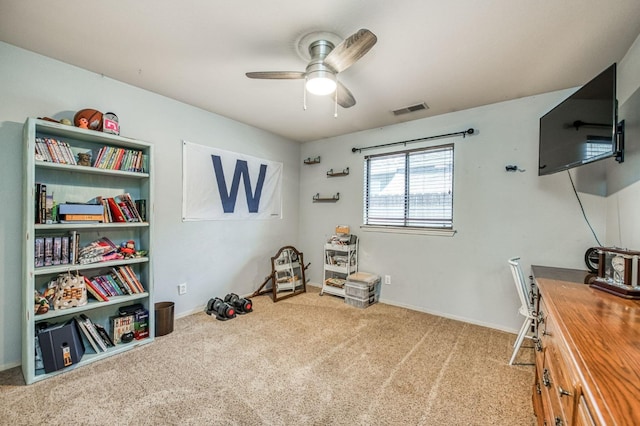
93 117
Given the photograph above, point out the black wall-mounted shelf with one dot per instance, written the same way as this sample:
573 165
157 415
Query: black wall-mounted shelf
333 199
310 160
344 172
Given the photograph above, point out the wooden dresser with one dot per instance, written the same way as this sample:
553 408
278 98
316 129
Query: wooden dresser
587 353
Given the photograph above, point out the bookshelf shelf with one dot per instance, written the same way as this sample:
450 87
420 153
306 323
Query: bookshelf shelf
71 183
92 304
90 170
111 225
91 356
58 269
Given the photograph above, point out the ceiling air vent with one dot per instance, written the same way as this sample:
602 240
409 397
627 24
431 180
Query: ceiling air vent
412 108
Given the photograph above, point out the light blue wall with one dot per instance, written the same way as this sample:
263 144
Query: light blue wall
214 258
497 214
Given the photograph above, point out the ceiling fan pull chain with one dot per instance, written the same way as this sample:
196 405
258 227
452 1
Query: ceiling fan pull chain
304 95
335 102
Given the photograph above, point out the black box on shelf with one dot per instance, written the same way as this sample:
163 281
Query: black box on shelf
61 346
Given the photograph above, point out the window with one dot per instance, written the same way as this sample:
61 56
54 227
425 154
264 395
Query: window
410 188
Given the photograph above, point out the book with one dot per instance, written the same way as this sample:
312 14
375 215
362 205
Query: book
121 280
104 335
39 252
141 206
48 251
87 335
42 203
116 213
141 324
57 250
80 209
121 325
95 290
82 218
64 258
94 333
132 278
74 245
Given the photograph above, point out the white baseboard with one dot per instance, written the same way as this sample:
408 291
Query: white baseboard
440 314
10 365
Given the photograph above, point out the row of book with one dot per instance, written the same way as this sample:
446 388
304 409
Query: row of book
119 281
113 158
121 208
54 151
57 250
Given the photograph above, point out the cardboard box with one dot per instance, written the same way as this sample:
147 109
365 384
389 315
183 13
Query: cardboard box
61 346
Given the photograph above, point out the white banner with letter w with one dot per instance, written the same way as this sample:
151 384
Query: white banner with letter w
222 185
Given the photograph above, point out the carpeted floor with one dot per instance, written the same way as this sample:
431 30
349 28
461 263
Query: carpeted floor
308 360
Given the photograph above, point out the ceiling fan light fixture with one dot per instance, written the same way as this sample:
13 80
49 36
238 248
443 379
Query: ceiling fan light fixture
321 82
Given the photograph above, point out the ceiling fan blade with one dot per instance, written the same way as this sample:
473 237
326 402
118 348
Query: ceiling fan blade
345 98
277 75
350 50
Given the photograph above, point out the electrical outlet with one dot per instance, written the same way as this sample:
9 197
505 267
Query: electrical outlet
387 279
182 288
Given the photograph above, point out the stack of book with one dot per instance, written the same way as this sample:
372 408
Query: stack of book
119 281
80 213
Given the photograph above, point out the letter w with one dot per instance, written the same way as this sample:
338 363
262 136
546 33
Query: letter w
229 198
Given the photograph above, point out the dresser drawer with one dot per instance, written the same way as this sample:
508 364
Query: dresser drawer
583 415
562 390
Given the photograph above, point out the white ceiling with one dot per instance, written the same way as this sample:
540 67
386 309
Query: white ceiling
453 55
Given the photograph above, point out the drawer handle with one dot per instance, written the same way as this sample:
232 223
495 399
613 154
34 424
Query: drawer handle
546 380
563 392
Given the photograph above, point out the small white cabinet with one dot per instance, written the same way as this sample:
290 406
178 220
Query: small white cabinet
340 260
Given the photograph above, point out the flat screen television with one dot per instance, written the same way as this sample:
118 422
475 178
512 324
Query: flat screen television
581 129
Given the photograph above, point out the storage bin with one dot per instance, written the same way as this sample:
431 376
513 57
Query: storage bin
359 290
361 302
61 346
362 284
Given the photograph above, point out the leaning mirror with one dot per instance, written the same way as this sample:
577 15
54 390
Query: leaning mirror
287 273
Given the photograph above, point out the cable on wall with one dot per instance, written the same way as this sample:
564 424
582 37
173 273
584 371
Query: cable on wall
446 135
582 208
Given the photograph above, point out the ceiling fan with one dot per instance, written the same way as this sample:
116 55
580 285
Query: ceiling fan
328 57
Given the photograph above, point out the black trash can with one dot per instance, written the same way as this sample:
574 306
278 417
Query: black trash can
164 318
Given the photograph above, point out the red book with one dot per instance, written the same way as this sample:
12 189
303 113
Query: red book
95 291
116 213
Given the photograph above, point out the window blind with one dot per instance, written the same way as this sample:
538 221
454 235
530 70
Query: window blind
410 188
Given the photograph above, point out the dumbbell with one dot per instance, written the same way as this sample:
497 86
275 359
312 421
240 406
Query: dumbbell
242 304
222 309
